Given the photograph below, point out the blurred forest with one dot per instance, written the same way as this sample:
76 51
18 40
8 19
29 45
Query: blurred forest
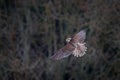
32 30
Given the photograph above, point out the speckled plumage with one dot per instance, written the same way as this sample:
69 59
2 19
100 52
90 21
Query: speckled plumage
75 46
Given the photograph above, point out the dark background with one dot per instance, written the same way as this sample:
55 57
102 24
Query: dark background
32 30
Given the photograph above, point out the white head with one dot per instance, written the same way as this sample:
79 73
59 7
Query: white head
68 40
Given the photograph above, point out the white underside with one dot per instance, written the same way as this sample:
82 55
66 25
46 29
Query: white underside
80 50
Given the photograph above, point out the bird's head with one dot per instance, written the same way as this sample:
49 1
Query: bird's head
68 40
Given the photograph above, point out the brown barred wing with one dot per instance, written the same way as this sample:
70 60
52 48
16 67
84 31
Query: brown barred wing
63 52
79 37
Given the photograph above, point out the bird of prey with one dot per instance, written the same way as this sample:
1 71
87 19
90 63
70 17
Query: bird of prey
75 46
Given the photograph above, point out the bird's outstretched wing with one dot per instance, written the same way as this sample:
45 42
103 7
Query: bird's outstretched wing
63 52
75 46
79 37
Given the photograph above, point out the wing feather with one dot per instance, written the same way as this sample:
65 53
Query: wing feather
63 52
79 37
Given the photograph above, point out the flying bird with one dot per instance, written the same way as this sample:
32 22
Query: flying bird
75 46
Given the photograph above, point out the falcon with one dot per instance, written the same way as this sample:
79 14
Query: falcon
75 46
